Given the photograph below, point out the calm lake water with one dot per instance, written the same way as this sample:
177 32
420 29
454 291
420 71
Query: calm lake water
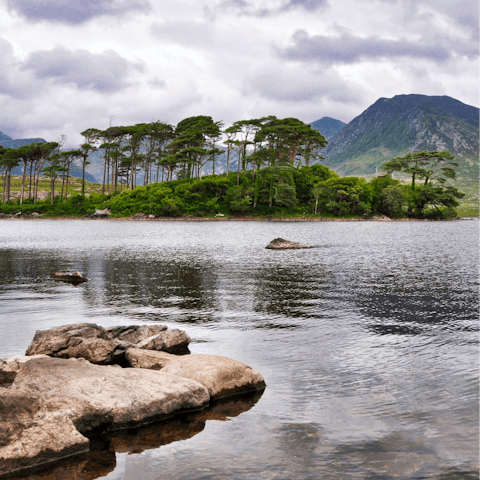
368 343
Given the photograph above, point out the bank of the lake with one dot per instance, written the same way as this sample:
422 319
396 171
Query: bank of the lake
235 219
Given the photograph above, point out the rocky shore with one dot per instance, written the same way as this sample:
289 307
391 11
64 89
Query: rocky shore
79 380
151 218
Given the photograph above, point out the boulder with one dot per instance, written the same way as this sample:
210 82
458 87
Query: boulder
101 213
53 402
105 345
75 277
222 376
100 398
281 244
10 366
31 435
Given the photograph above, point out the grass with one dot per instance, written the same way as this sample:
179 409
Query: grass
74 186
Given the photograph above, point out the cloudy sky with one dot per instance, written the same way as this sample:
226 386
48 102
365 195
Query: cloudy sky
67 65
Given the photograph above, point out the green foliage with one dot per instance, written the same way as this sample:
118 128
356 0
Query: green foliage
433 201
346 195
393 201
240 198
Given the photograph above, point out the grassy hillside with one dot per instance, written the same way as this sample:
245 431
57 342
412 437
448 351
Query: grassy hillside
44 186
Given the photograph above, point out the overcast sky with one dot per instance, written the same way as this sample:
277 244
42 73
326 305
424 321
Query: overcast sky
67 65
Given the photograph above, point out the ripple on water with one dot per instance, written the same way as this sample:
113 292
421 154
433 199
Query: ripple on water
368 343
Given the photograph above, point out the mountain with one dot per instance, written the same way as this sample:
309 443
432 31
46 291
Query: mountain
405 123
9 142
327 126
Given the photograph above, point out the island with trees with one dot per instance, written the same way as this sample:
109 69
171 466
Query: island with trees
277 173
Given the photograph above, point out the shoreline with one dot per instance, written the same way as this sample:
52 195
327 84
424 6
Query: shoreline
243 219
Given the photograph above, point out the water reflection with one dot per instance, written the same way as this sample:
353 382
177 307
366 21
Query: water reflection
287 289
369 345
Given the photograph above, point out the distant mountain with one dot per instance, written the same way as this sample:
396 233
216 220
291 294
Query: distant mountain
9 142
327 126
406 123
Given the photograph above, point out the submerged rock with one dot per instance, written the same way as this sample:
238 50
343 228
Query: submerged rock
281 244
222 376
75 277
105 345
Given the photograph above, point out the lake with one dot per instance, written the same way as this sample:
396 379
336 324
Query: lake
368 343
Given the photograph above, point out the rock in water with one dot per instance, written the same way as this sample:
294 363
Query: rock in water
105 346
10 366
53 401
31 435
222 376
97 397
75 277
281 244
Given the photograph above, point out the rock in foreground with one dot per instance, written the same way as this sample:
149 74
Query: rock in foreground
222 376
99 397
31 435
281 244
105 346
53 401
48 405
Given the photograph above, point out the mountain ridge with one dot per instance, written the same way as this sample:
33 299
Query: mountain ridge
393 127
328 126
9 142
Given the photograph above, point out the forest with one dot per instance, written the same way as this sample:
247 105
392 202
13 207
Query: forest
277 173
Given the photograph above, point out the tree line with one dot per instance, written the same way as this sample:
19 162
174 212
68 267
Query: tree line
162 152
276 171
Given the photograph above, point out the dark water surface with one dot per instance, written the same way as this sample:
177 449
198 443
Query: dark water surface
368 343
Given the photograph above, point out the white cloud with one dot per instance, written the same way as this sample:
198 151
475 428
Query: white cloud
60 75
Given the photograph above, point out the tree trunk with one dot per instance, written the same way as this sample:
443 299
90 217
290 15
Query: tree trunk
104 174
24 176
83 176
228 159
63 186
30 182
9 176
68 178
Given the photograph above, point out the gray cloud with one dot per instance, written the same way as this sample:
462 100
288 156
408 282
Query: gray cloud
464 13
187 33
249 9
293 86
6 56
104 72
74 11
349 49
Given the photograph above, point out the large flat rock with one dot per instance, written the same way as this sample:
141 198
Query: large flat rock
53 402
105 346
32 435
102 398
222 376
10 366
